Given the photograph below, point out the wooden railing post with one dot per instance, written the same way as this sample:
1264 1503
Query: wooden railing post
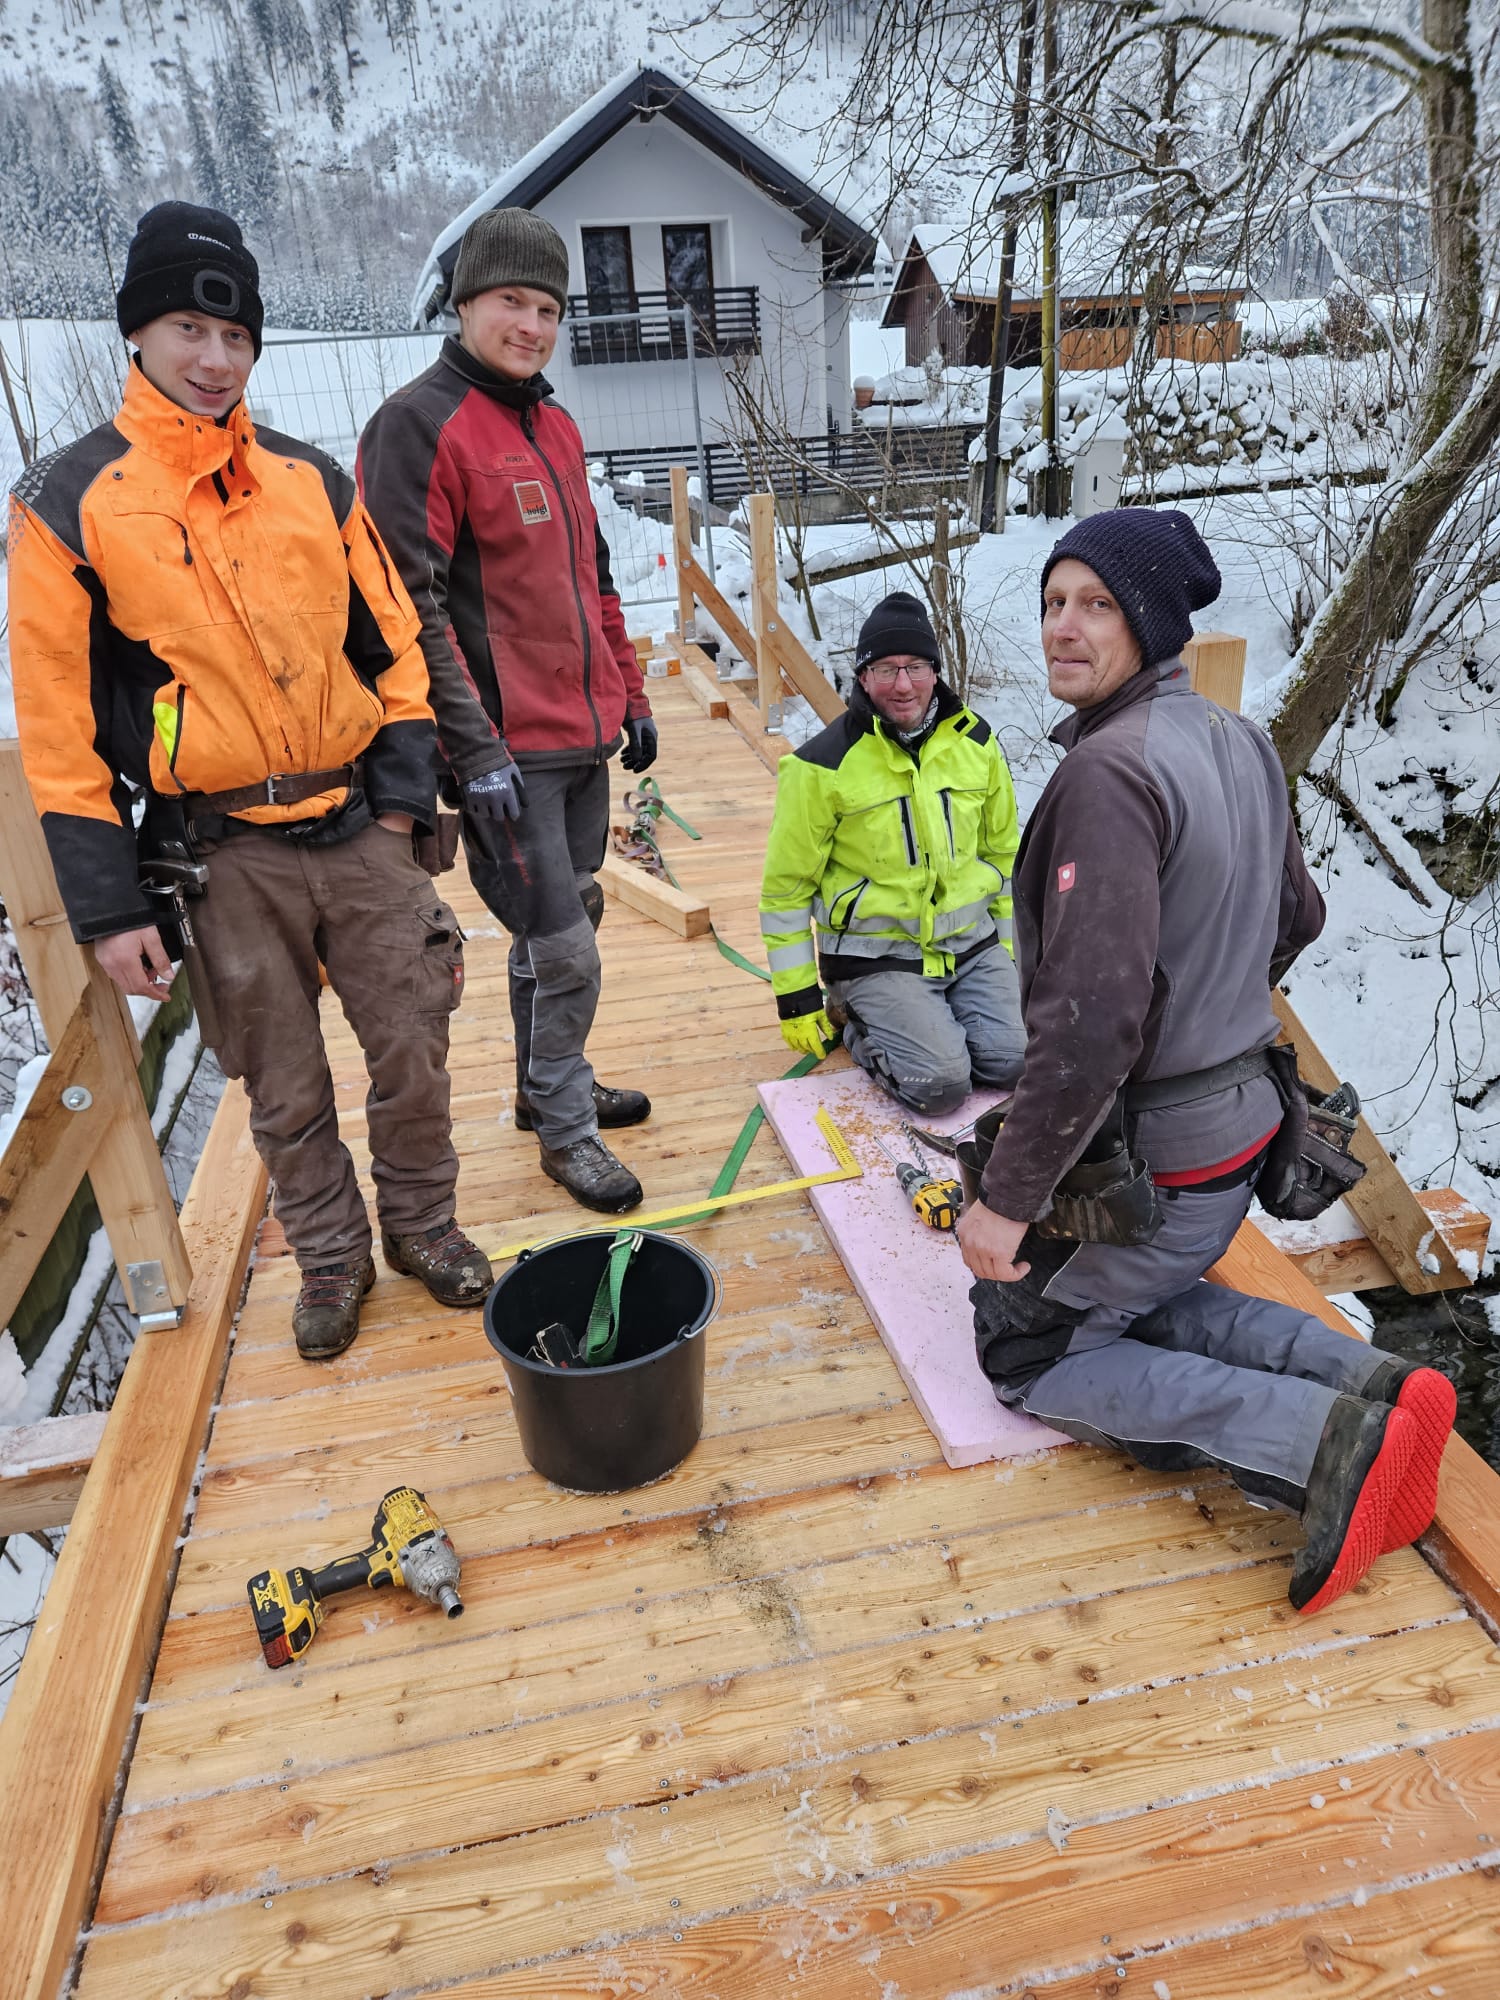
1216 666
765 612
682 550
125 1170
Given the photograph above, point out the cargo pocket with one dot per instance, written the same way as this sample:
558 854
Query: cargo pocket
441 984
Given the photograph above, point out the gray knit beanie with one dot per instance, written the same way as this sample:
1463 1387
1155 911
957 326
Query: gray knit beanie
511 246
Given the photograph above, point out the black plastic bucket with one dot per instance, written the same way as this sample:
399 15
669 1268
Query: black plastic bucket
600 1430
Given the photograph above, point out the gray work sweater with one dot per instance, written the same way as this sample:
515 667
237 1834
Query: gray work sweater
1160 889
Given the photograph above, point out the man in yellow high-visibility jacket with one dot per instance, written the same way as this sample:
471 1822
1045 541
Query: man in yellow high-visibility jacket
895 830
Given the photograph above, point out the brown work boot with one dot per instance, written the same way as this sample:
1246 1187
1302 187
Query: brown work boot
325 1318
612 1108
454 1270
592 1175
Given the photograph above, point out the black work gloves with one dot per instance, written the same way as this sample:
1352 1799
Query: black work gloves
639 753
497 795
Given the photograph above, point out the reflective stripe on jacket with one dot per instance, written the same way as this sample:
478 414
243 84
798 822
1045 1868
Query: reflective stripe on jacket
895 856
194 607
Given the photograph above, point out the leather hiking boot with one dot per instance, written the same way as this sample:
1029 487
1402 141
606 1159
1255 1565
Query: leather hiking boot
591 1174
1431 1401
611 1107
1362 1462
325 1318
454 1270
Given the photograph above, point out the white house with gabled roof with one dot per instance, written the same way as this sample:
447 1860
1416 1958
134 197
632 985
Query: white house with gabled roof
669 207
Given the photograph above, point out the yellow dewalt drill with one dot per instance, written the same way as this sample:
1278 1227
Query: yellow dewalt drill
410 1546
934 1200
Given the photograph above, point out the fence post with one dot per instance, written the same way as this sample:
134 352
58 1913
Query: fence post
126 1172
682 553
764 611
1216 666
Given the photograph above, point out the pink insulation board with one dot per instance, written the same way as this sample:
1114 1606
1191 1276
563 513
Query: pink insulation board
912 1279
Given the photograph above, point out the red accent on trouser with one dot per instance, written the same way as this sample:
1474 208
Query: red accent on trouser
1365 1539
1431 1402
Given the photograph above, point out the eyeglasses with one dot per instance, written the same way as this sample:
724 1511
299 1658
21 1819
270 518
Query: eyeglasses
886 676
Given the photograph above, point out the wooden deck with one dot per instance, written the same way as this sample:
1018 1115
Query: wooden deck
815 1713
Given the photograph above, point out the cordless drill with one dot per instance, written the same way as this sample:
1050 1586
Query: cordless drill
935 1201
409 1546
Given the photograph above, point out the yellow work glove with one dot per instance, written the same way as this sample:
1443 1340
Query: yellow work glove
810 1034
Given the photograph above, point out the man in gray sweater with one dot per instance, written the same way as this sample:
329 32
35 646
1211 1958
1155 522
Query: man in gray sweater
1159 890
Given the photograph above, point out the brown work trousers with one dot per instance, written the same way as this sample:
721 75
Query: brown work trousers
394 953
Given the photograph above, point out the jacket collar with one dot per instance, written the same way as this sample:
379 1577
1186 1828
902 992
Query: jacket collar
522 397
1143 686
196 446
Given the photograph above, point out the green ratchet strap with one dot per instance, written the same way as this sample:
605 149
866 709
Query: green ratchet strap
730 1171
649 806
603 1329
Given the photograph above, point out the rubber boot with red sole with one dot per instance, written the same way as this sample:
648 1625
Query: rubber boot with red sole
1362 1462
1431 1401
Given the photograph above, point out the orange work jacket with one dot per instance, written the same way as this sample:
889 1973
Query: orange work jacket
195 607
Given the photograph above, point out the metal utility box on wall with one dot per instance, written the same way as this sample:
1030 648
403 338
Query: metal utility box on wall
1099 466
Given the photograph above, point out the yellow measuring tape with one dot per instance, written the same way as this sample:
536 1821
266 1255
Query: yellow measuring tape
848 1169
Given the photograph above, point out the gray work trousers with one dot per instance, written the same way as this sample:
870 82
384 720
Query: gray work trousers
929 1041
272 908
537 874
1135 1350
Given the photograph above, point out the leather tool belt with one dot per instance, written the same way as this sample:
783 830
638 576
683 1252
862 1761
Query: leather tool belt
280 789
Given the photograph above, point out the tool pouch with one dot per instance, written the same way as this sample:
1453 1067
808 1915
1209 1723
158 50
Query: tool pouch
436 852
1108 1196
1308 1164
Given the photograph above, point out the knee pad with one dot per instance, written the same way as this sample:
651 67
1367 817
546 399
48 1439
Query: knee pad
591 895
565 958
933 1096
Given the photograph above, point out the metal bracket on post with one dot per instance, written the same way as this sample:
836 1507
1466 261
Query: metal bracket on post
149 1297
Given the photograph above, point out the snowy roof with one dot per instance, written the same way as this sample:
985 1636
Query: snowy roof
1093 260
850 246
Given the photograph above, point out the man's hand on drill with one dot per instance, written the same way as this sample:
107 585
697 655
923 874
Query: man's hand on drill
497 795
137 962
639 753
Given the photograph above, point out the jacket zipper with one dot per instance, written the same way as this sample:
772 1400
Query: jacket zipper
908 833
181 705
187 554
583 623
854 895
947 798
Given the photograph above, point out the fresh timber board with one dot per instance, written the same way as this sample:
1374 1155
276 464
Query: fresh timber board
815 1715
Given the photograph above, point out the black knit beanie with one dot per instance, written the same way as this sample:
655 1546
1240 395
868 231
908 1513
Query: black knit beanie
1155 565
188 259
898 624
511 246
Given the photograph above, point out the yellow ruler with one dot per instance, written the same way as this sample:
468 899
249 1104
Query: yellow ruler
848 1169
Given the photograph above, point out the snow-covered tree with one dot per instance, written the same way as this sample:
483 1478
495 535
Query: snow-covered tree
124 142
207 184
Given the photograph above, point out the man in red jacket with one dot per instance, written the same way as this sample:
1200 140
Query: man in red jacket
478 484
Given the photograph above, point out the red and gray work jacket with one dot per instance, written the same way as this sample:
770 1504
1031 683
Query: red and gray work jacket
479 488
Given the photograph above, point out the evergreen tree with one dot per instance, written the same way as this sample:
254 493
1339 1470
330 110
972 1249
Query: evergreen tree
247 162
265 25
118 123
341 18
295 39
333 96
207 184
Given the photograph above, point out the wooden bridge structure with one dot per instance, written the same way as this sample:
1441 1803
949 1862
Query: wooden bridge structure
816 1713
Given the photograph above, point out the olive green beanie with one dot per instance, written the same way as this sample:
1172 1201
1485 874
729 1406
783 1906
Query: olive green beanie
511 246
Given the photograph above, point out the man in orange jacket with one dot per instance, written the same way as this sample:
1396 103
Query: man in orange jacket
203 624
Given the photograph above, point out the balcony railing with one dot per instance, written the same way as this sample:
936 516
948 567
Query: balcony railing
657 326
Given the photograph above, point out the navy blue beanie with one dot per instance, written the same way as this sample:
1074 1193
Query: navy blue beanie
1155 565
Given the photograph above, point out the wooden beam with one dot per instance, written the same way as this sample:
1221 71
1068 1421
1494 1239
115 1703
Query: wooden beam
800 668
834 572
719 609
1394 1219
90 1654
50 1152
1464 1540
42 1470
760 510
1216 666
687 915
682 548
768 744
706 693
1350 1262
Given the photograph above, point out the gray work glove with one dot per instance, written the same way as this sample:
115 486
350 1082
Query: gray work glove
498 795
639 753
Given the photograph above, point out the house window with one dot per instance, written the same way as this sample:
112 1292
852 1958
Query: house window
688 260
608 274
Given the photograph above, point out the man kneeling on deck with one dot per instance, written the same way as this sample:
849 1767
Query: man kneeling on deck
1160 890
895 829
203 623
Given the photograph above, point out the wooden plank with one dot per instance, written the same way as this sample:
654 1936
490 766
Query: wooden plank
42 1470
718 607
834 572
1394 1219
768 744
56 969
685 916
760 511
682 549
1216 667
708 694
49 1152
1351 1263
72 1706
800 668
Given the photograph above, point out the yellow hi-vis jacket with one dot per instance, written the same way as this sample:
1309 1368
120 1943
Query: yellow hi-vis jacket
902 860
